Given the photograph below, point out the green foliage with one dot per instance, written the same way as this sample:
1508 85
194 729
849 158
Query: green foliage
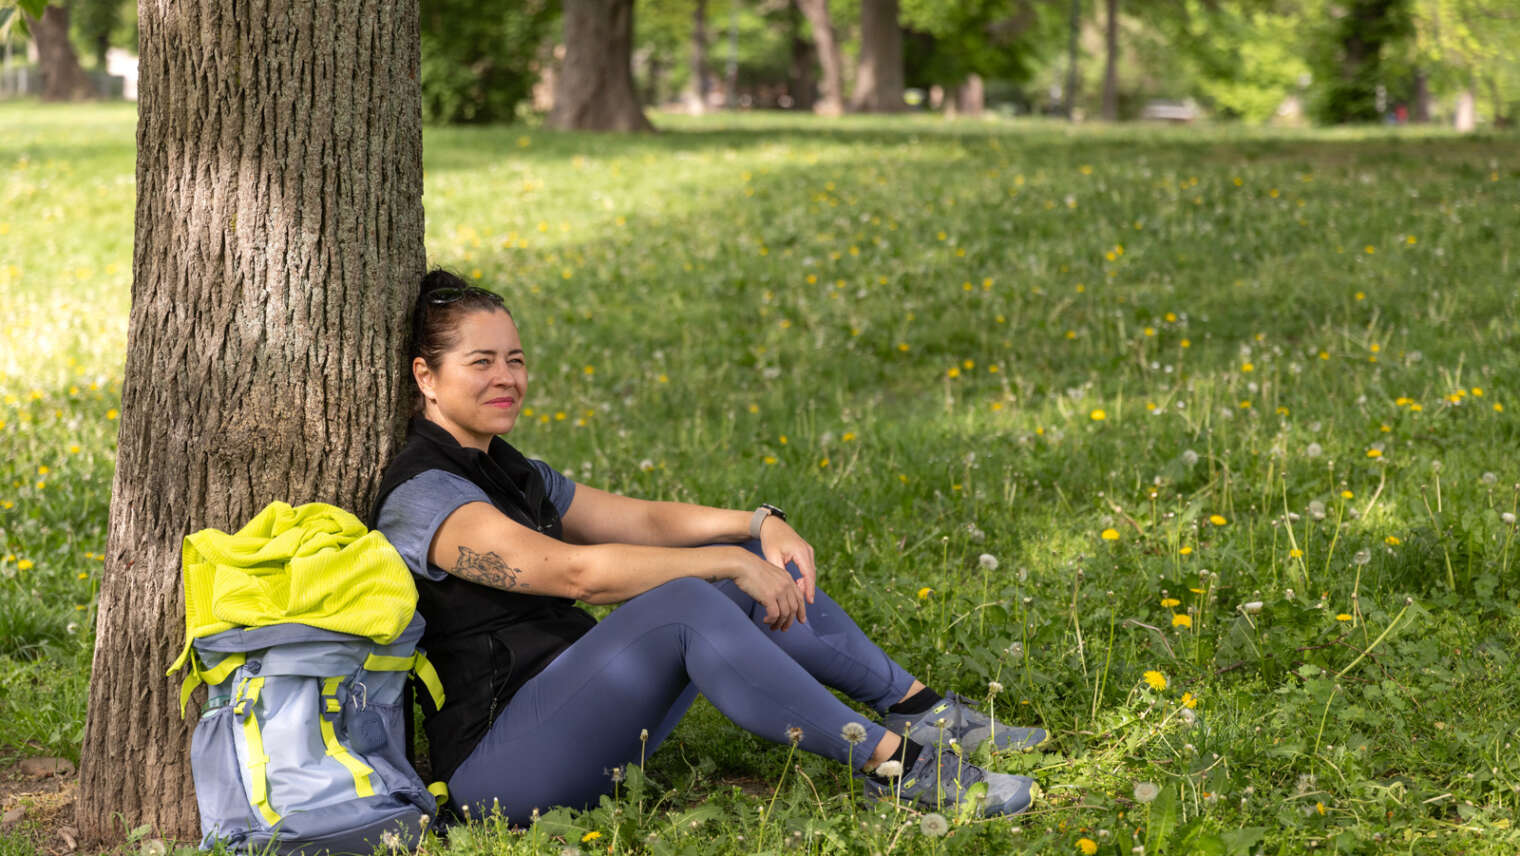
807 312
480 61
1349 65
998 39
1248 59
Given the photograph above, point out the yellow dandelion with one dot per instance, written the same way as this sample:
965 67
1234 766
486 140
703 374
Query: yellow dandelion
112 414
923 593
1296 553
822 464
1087 846
1186 551
1186 343
1346 494
590 836
1110 534
1155 679
1248 367
1098 415
1181 620
1170 602
1319 808
1189 701
770 460
849 437
902 346
590 370
43 470
1498 408
1343 617
73 448
1217 519
24 565
1374 453
953 372
1477 392
1392 541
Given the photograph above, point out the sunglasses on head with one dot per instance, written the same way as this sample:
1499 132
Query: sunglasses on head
445 296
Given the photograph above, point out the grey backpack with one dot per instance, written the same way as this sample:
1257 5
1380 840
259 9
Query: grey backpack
300 747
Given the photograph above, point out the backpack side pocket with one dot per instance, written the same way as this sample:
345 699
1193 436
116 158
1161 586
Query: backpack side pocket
225 808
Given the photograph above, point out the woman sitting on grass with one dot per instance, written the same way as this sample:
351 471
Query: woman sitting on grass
543 701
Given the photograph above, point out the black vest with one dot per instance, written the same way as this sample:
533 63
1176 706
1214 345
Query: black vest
485 642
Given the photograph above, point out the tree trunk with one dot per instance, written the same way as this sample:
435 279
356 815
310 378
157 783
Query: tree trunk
62 77
801 84
1421 97
1072 78
1466 118
879 75
831 88
699 73
278 247
1111 62
596 80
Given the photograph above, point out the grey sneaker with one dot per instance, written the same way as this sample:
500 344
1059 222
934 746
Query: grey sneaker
955 780
954 721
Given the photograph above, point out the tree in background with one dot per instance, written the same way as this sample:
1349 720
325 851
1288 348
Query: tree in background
594 90
1243 59
96 23
480 57
278 246
831 84
1349 65
1005 41
63 79
1469 47
879 73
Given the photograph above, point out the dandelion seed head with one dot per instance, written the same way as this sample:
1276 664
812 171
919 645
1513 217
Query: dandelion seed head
993 687
1146 791
988 562
1490 479
854 733
1508 517
1361 557
1189 457
889 769
934 825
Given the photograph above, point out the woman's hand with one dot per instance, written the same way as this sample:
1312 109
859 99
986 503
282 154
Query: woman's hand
781 544
771 587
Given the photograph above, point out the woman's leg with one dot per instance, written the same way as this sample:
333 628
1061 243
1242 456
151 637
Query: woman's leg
832 648
569 726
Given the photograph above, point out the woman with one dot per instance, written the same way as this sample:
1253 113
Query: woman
543 702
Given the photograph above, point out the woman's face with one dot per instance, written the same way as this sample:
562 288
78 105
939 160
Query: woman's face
476 390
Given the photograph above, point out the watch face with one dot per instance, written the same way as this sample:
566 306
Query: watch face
780 515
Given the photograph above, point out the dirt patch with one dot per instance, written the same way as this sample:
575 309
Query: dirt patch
37 801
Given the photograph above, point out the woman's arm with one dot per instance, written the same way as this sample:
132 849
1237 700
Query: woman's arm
598 517
479 543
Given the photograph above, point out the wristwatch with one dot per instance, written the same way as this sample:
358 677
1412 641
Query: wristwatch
765 510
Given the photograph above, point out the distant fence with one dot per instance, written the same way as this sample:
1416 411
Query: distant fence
25 81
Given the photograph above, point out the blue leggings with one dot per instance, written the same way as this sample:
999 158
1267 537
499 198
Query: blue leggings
643 665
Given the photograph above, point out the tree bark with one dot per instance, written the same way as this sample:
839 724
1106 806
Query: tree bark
1421 97
62 77
278 247
699 74
971 96
1111 62
1072 78
596 80
831 88
879 75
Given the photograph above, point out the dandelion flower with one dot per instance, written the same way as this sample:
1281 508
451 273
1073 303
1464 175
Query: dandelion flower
1186 551
1182 620
993 687
1146 791
1155 679
854 733
1189 701
1217 519
934 825
1296 553
1392 541
1346 494
988 562
1098 415
1362 557
794 735
1170 602
889 769
24 565
1110 534
1343 617
923 593
1087 846
1374 453
590 836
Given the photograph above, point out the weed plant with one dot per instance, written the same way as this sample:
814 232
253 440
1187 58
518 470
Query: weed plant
1196 446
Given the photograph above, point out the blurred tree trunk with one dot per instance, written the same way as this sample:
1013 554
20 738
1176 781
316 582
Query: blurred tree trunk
879 75
831 95
800 80
277 249
1111 62
1072 78
971 96
62 77
699 74
1421 112
596 79
1466 118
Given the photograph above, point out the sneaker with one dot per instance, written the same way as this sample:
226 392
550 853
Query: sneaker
963 726
945 788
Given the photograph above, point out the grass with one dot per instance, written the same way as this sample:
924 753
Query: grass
1234 407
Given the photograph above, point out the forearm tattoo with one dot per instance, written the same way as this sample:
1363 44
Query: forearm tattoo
487 569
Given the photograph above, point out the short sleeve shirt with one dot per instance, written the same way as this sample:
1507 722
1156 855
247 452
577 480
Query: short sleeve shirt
413 511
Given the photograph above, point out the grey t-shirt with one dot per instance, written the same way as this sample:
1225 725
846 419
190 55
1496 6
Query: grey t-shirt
413 511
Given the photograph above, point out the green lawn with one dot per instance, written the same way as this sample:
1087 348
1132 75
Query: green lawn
1058 407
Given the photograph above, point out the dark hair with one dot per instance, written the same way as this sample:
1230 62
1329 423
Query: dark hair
442 303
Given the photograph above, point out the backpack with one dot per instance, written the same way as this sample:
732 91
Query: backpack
301 741
304 627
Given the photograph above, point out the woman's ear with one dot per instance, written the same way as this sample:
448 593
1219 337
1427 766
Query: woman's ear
424 377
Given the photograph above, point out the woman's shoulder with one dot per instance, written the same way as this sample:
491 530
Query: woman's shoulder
426 493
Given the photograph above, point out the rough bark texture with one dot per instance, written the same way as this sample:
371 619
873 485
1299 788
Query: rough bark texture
62 77
879 76
595 90
1111 61
831 88
278 248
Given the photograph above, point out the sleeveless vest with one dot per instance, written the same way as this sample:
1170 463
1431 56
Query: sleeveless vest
485 642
